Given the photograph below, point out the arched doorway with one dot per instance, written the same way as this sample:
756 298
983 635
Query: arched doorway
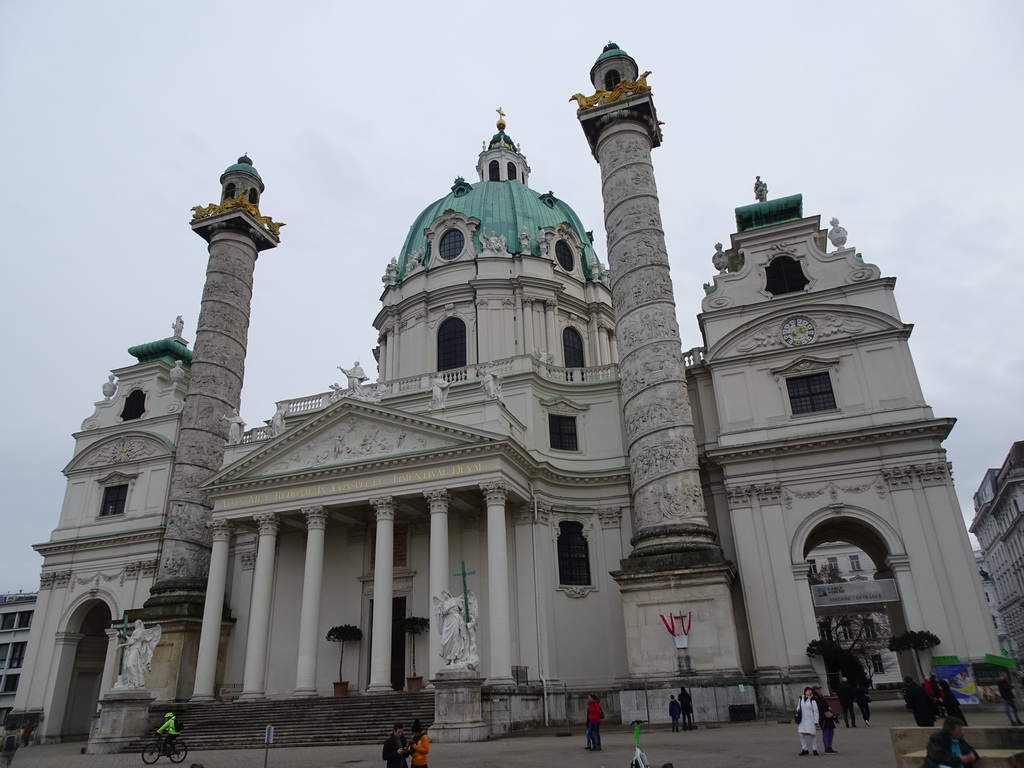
856 605
88 624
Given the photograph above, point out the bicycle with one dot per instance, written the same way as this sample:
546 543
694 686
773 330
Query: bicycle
152 751
639 758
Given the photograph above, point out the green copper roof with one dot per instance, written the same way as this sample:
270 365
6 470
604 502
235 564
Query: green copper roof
167 350
244 165
501 206
769 212
502 139
611 50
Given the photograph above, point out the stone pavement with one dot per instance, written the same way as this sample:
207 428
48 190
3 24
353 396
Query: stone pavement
728 746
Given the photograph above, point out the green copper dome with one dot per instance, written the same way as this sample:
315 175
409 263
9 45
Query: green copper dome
243 165
502 139
504 207
610 51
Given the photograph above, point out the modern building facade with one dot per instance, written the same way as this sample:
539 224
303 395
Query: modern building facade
627 515
16 611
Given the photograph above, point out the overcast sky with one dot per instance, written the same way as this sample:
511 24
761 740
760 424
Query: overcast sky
902 119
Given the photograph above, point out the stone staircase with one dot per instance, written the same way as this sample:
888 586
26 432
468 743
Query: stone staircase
311 722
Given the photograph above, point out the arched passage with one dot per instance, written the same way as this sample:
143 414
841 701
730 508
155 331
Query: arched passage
84 651
848 551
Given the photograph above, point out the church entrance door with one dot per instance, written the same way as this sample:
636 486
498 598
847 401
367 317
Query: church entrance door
397 644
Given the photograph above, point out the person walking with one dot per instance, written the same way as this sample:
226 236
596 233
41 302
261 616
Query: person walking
826 719
420 745
686 707
1009 700
674 711
948 747
845 693
918 702
394 752
807 721
860 695
950 702
594 717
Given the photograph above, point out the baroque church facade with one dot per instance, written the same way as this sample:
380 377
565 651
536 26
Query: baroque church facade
627 515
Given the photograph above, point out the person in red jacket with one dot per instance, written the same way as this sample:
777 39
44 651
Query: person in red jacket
594 717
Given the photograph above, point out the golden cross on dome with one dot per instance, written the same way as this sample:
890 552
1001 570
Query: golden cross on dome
500 113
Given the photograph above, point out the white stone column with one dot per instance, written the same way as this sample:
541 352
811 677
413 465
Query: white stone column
604 356
213 612
383 593
309 618
498 622
389 357
549 331
900 567
254 674
383 366
528 341
62 669
439 568
593 343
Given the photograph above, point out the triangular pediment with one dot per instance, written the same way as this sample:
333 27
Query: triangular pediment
346 434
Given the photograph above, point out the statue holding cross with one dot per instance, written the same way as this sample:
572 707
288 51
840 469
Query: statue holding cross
456 622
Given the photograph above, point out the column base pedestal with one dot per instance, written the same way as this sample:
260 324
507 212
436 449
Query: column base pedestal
458 711
123 718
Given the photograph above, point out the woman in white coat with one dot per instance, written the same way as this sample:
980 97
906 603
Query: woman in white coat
807 721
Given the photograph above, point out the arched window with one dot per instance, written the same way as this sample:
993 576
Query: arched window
564 255
572 348
134 405
573 555
229 192
511 171
451 344
784 275
494 171
254 196
611 79
452 243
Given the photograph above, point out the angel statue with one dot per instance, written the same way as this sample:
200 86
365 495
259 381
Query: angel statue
138 655
458 631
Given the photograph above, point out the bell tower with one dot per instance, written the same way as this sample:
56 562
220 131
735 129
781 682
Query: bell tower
676 564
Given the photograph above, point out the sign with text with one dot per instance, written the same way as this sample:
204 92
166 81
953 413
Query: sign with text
854 593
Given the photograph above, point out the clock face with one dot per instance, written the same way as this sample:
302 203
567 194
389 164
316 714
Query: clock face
798 331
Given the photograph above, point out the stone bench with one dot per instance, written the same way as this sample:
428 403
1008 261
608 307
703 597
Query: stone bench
995 744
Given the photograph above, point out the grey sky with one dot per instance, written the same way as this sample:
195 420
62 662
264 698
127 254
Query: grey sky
901 119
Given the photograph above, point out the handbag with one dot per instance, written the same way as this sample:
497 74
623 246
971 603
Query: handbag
797 716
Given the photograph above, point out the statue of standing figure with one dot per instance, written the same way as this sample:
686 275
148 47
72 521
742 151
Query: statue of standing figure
236 426
457 629
760 190
490 381
277 420
138 655
439 392
356 376
178 326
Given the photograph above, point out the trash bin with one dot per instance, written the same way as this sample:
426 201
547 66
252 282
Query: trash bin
742 713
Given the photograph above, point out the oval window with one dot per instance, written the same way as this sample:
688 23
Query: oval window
564 255
451 245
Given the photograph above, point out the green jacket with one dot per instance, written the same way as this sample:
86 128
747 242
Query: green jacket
170 726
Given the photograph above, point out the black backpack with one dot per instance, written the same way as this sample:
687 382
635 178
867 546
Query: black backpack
179 726
11 741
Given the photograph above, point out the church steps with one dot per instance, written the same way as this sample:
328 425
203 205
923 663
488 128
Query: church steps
297 722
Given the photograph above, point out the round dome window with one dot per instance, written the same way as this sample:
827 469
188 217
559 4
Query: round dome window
451 245
564 255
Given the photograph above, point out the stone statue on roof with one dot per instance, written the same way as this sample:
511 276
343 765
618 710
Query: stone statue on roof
760 190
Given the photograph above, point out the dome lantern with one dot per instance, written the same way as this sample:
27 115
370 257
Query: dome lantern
501 159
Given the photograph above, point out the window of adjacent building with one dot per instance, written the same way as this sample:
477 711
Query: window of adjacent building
812 566
493 171
877 668
24 619
11 683
808 394
784 275
452 243
511 171
4 650
134 405
114 498
562 430
17 656
564 255
833 562
451 344
611 79
7 621
870 629
572 348
855 563
573 554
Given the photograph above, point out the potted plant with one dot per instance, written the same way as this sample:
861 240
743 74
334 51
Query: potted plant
343 633
413 626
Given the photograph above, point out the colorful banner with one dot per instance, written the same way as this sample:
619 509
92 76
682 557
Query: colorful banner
961 681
